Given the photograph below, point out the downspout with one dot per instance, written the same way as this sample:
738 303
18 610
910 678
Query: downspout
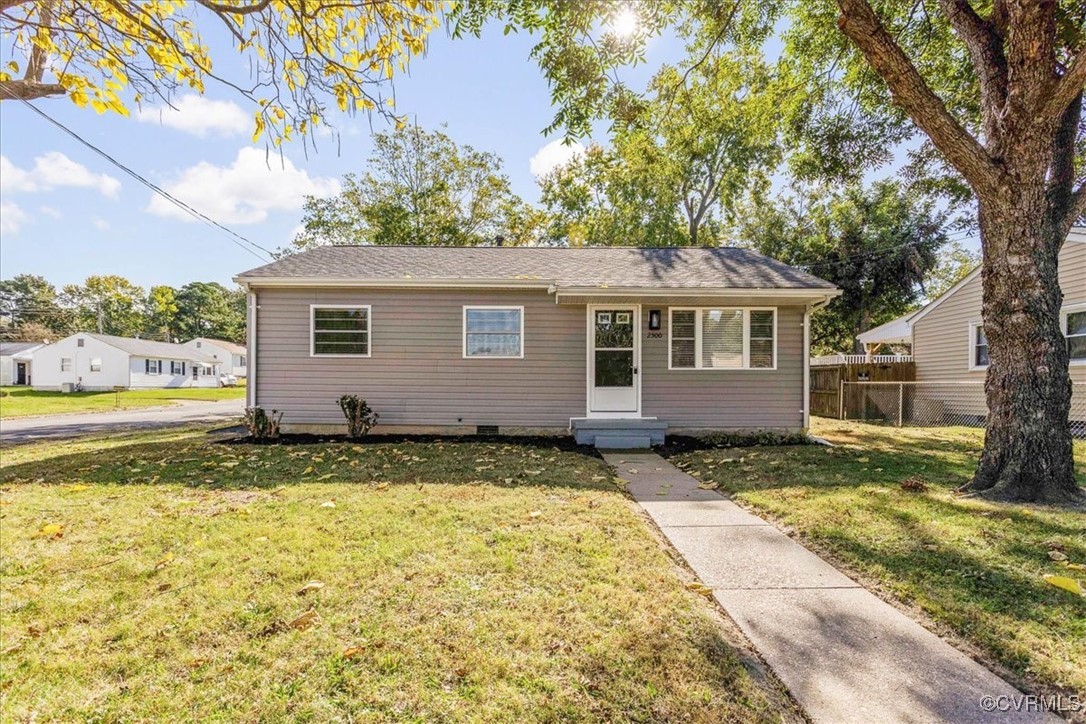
250 347
807 359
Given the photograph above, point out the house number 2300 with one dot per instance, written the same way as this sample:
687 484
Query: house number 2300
656 335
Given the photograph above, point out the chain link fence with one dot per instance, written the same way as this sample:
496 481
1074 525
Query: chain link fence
934 404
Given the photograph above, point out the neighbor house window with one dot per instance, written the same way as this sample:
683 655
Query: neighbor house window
340 331
241 361
65 364
495 332
152 366
199 344
177 368
96 364
978 347
79 342
1073 322
722 338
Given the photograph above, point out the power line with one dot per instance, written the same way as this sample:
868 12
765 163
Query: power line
234 237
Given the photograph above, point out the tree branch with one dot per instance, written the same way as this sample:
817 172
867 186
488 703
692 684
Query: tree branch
234 9
1067 87
859 22
985 45
24 90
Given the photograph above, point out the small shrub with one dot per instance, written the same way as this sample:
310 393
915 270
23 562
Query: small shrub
754 439
914 484
360 416
261 425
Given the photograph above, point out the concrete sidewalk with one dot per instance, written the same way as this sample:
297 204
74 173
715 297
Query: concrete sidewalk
843 653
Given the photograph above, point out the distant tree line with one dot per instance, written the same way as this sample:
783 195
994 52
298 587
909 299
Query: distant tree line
32 309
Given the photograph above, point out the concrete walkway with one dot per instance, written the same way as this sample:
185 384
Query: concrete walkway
843 653
55 427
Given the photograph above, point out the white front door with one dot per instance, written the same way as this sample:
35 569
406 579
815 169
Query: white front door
614 355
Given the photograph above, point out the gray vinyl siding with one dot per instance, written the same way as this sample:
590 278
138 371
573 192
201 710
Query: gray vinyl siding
416 373
941 344
726 399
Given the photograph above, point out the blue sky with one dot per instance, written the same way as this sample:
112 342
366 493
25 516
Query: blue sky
68 213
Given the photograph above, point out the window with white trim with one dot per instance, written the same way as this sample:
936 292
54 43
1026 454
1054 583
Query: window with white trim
177 368
1074 328
722 338
152 366
494 331
978 347
65 364
340 330
96 364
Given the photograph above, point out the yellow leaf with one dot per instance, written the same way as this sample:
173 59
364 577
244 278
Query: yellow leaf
382 486
1075 566
51 530
863 460
1067 584
308 470
352 652
708 485
310 587
164 561
700 588
76 488
307 620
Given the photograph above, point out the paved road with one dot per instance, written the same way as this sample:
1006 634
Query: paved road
51 427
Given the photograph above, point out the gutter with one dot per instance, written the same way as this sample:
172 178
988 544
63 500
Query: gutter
807 354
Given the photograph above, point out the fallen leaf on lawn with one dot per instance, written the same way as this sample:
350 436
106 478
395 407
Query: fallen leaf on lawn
352 652
356 449
620 482
310 587
76 488
280 489
534 514
232 464
859 460
34 630
164 561
532 472
307 620
701 588
163 587
197 663
382 486
1057 555
708 485
326 476
50 530
1074 566
632 470
1067 584
308 470
597 478
328 504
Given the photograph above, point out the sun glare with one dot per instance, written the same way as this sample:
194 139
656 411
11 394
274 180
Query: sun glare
624 23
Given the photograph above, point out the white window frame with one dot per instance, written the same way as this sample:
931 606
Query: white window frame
96 362
1068 310
464 331
154 366
65 367
313 329
973 366
698 363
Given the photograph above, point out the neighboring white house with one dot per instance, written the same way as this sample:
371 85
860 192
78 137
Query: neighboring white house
231 356
15 361
102 362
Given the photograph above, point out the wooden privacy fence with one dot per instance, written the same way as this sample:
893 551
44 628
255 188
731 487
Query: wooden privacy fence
827 380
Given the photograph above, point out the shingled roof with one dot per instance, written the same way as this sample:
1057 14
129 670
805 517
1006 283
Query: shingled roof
614 267
152 349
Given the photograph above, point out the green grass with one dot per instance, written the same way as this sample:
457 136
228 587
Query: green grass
462 581
974 567
25 402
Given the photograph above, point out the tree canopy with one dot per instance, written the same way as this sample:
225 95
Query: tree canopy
302 54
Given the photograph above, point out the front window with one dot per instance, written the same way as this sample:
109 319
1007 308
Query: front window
496 332
723 338
1074 326
177 368
153 366
341 331
980 347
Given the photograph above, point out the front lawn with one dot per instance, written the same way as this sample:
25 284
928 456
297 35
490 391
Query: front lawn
164 576
24 401
882 502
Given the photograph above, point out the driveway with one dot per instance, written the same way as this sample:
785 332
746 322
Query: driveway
52 427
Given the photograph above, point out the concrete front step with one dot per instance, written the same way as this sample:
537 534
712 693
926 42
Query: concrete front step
626 433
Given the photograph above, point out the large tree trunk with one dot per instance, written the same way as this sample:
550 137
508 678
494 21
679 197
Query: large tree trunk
1027 448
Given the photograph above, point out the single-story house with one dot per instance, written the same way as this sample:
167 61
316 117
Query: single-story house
616 344
15 362
231 355
102 362
949 346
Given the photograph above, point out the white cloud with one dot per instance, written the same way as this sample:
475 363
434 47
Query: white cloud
51 211
553 155
243 192
54 170
11 217
201 117
101 224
